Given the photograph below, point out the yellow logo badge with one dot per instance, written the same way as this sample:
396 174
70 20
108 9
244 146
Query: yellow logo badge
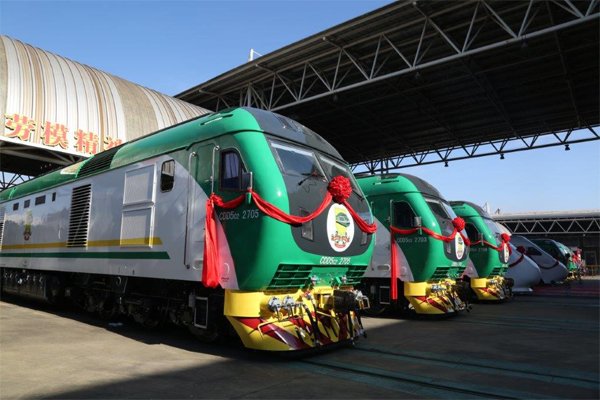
340 227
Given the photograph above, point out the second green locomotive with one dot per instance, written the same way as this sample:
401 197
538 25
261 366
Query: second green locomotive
420 247
490 251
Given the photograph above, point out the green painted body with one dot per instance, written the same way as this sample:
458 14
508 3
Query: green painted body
557 250
426 257
265 253
486 260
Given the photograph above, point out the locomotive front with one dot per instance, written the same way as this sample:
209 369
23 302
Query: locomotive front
490 252
299 234
425 230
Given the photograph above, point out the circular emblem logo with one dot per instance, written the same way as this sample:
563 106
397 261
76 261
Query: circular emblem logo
459 245
340 227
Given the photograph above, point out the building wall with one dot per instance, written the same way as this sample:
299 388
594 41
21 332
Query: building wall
585 234
51 102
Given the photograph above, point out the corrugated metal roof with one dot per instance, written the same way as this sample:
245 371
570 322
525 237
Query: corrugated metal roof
55 93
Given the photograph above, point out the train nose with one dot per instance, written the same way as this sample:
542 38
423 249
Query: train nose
534 275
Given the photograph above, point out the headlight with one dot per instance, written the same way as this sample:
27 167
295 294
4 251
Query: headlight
274 304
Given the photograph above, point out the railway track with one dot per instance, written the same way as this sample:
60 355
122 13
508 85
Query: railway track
411 384
395 370
580 379
543 324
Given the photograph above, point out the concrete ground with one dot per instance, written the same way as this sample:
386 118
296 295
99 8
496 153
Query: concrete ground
540 346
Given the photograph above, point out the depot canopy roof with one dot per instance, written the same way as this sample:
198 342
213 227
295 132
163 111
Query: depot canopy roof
417 77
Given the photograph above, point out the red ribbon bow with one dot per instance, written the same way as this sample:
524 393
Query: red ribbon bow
340 189
458 223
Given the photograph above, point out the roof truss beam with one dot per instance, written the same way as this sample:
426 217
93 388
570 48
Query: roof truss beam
7 179
479 149
367 64
549 225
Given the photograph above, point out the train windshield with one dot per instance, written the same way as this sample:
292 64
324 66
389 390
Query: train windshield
564 249
294 161
307 164
443 213
493 227
333 168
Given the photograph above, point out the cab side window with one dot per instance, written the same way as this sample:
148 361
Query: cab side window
472 232
167 176
404 216
231 170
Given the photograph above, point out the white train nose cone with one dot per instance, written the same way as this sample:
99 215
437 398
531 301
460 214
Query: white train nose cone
525 275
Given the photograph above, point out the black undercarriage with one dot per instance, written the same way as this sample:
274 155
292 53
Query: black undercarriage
150 302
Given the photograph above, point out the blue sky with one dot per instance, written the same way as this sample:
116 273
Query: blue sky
171 46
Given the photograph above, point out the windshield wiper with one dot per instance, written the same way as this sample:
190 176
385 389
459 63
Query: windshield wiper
313 174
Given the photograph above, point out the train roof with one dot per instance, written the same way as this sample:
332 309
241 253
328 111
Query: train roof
468 209
175 138
395 183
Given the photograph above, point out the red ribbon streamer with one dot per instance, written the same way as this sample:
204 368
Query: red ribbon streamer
338 190
505 238
517 262
274 212
459 225
210 273
362 224
394 269
521 250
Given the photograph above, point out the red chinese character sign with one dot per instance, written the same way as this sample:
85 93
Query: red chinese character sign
55 135
22 128
86 142
109 142
19 126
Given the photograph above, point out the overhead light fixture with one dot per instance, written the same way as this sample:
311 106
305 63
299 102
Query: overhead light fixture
567 148
445 163
502 156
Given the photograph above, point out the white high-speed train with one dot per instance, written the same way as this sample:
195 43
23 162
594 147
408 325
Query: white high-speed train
551 269
521 269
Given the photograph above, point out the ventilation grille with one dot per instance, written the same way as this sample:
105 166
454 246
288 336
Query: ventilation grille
440 273
2 209
355 274
291 276
98 163
80 216
447 272
499 271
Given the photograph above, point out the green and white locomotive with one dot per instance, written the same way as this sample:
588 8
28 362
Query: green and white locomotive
420 247
239 221
490 252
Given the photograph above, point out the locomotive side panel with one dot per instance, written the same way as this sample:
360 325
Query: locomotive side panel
35 224
132 228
